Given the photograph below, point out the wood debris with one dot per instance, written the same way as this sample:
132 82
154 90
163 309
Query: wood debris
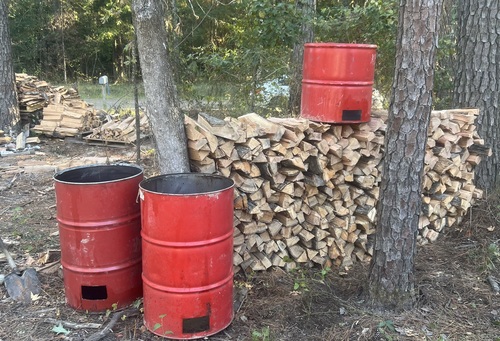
4 139
119 130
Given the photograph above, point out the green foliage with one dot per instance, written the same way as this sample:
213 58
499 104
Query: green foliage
261 335
222 51
368 22
385 328
486 256
88 35
300 280
492 256
59 329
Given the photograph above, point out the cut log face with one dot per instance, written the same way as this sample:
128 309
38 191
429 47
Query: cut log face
306 193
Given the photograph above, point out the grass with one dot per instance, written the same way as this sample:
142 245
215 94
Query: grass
217 98
116 91
118 95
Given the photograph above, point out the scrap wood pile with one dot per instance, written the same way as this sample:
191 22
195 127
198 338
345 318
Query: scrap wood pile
35 94
31 93
120 130
307 192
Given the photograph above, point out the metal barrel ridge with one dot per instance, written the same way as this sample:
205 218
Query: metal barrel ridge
187 260
99 231
337 82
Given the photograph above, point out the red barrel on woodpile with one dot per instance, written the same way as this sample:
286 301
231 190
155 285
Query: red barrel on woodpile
337 82
187 243
99 232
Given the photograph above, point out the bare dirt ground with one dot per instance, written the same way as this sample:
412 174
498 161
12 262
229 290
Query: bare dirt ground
456 301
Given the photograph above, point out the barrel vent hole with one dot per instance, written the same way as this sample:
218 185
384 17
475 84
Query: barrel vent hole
351 115
195 325
94 292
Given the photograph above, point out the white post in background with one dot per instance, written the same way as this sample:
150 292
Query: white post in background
103 81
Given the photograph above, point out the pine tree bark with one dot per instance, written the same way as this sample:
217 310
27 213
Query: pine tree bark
391 283
161 94
308 7
477 82
9 108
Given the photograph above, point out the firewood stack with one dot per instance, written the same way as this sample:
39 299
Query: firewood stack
53 111
454 148
122 131
306 192
31 93
67 118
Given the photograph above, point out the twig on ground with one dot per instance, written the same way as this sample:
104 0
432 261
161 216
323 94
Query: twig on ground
108 329
494 284
73 325
9 185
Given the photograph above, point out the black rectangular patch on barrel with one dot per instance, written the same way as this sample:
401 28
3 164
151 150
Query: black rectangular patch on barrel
195 325
351 115
94 292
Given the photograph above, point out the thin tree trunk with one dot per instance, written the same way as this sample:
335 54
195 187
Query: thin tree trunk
166 119
391 278
63 44
308 8
9 108
136 102
477 83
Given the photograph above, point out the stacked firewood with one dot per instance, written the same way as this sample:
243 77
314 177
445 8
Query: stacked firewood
120 130
35 94
68 118
53 111
31 93
454 148
306 192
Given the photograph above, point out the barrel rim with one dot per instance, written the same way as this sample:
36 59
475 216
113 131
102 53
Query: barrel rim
125 165
336 83
342 45
204 175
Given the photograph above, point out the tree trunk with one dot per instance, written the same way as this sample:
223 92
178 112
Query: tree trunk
477 82
308 7
9 108
166 119
391 278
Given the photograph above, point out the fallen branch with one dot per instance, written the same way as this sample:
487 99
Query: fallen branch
108 329
494 284
73 325
9 185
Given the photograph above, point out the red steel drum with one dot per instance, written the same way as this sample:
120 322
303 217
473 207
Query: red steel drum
99 232
187 254
337 82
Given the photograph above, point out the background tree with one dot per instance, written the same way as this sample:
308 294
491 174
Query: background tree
391 278
167 122
477 82
9 109
306 35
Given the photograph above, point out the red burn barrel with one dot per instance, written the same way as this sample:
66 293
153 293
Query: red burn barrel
99 232
337 82
187 243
